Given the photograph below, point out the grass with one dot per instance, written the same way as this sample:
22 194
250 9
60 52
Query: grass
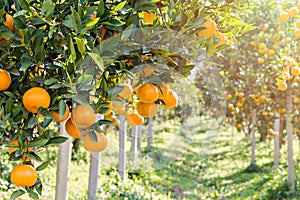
185 162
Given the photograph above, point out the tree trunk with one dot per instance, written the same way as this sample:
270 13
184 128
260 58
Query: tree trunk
122 147
63 166
133 143
149 134
253 122
139 138
289 132
276 142
93 175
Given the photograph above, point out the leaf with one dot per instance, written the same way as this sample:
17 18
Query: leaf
73 21
81 100
72 49
24 4
50 81
114 91
55 86
120 6
34 195
20 13
37 143
25 65
93 136
17 194
104 121
101 8
98 60
57 140
48 8
43 166
34 156
61 108
80 45
47 116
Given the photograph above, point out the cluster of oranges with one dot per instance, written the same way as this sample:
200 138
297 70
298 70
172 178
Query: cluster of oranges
139 101
290 72
209 28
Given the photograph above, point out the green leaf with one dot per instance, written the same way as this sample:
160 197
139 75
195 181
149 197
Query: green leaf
120 6
9 94
55 86
34 195
50 81
17 194
57 140
24 4
73 21
80 45
114 91
62 108
25 65
104 121
43 166
101 8
98 60
34 156
93 136
47 116
37 143
81 100
72 49
48 8
20 13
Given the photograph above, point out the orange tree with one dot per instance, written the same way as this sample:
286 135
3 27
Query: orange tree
44 75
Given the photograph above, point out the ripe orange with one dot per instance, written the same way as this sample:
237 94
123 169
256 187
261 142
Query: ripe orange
262 46
148 93
282 86
298 23
297 33
171 100
126 92
271 52
134 119
149 17
284 16
23 175
56 116
9 22
296 100
72 130
260 60
92 146
222 39
13 149
35 98
230 107
210 28
146 109
83 116
163 91
293 11
295 71
118 106
5 80
112 119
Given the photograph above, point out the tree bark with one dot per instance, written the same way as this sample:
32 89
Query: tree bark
289 132
149 134
133 143
139 138
93 175
122 147
63 166
253 122
276 142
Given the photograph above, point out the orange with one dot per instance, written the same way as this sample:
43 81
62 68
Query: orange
298 23
260 60
83 116
118 106
295 71
148 71
271 52
5 80
134 119
230 107
112 119
222 39
23 175
171 100
148 93
293 11
13 149
288 40
126 92
284 16
56 116
35 98
262 46
92 146
287 76
149 17
296 100
282 86
9 22
297 33
72 130
109 109
146 109
163 91
210 28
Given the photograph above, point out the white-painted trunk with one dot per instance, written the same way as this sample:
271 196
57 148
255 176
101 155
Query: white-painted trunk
149 139
253 122
122 147
133 143
289 132
93 175
139 138
276 142
63 166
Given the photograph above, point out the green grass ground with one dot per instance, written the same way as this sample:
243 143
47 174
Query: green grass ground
190 162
